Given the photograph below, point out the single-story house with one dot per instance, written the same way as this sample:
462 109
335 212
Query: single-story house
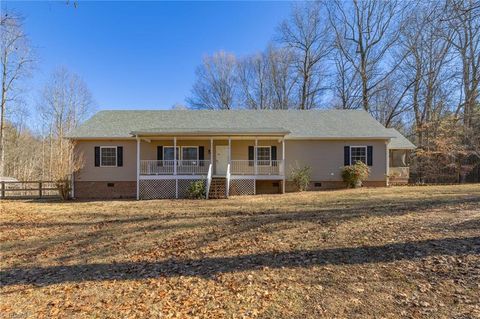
157 154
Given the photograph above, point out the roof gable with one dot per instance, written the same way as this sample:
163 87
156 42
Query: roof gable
399 141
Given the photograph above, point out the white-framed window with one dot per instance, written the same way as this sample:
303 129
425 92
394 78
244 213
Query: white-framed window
168 152
108 156
264 155
190 155
358 154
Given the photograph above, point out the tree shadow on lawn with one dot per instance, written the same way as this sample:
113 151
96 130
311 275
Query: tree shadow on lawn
231 224
208 267
297 211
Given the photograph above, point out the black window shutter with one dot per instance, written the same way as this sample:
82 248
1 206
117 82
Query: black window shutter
369 155
119 156
346 155
251 156
97 156
274 155
201 155
159 155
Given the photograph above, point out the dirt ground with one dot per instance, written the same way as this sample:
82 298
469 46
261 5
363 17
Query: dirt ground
399 252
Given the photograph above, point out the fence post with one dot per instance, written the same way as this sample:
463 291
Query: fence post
3 189
40 189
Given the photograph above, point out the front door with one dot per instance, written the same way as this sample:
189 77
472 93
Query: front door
221 159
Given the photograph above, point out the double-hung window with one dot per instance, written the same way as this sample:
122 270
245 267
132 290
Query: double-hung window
108 156
168 152
190 155
264 155
358 154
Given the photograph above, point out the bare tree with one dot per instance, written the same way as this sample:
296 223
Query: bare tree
346 86
253 76
16 61
282 80
65 103
389 104
216 83
464 21
307 35
427 66
365 32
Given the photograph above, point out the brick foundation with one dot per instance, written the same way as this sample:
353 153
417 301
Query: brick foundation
269 187
324 185
105 190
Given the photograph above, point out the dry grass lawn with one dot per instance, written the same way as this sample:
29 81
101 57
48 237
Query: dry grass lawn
384 253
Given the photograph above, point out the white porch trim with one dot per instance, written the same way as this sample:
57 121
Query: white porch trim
172 177
138 168
283 166
258 177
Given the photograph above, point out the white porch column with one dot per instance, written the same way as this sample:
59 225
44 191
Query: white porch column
255 166
387 177
229 150
283 165
211 151
175 165
255 156
174 155
138 168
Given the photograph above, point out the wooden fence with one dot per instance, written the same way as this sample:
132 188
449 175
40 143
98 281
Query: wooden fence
28 189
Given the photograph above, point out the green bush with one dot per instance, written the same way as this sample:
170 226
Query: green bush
301 177
354 175
196 190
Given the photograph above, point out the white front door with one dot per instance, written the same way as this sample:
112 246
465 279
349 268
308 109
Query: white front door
221 159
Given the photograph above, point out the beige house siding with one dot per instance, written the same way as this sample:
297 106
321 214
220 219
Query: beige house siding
326 158
148 151
90 173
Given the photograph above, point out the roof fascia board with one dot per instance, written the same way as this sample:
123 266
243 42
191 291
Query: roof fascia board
402 148
337 138
150 134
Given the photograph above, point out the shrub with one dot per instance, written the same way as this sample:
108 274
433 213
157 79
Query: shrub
354 175
301 177
63 187
196 190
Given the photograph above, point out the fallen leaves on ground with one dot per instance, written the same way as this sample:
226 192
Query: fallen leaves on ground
386 252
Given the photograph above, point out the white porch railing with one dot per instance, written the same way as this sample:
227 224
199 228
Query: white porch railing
399 172
237 167
166 167
246 167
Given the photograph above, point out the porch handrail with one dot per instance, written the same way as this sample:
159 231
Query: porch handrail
167 167
209 180
261 167
227 191
399 172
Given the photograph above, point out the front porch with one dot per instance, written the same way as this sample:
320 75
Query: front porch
257 168
167 165
398 170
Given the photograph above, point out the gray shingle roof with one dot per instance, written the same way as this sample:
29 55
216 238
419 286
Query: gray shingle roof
335 124
399 141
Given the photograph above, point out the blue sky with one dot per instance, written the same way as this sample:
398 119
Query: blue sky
142 54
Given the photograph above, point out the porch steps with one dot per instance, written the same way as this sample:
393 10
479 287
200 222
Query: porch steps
218 188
